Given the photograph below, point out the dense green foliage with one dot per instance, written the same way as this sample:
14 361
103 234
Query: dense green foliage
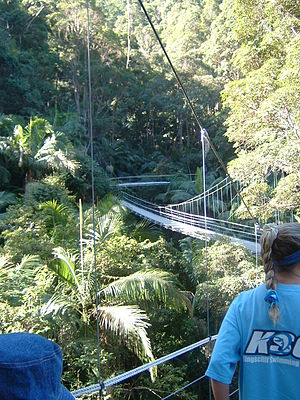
264 114
240 63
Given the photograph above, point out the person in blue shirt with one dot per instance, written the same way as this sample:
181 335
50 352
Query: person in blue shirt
261 330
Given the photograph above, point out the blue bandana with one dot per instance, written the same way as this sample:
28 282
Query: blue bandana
288 260
271 297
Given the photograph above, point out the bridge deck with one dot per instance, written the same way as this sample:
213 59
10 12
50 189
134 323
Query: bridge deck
187 229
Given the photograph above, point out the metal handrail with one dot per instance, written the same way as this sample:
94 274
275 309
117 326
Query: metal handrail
136 371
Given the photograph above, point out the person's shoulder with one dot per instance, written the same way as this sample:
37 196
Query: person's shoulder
254 291
251 294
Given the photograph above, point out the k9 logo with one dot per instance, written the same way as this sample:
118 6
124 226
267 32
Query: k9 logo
279 343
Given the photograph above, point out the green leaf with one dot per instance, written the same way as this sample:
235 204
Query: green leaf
148 286
64 267
129 323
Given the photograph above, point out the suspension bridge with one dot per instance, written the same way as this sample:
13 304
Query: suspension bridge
188 217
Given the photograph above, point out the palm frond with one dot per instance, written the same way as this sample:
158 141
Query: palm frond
64 267
146 230
27 268
130 323
54 213
108 203
4 262
5 266
29 261
59 303
151 286
55 154
106 226
54 206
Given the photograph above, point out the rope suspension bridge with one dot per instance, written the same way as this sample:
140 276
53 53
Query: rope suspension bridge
188 217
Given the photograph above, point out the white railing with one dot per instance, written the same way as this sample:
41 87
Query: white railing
192 224
116 380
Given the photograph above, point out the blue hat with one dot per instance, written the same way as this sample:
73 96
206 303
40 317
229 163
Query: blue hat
30 368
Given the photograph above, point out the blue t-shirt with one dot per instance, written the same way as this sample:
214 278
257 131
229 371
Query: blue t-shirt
269 354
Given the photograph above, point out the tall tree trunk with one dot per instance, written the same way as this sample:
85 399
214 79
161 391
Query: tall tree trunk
85 98
128 34
179 132
76 88
153 132
188 135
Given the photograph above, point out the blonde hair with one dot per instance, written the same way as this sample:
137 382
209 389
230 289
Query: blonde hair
277 242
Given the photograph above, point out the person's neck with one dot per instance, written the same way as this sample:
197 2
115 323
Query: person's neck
290 277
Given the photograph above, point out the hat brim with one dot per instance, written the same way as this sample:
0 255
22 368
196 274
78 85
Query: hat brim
65 394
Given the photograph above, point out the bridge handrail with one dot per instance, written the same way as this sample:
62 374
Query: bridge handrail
199 222
213 226
136 371
200 196
120 178
211 191
196 216
164 210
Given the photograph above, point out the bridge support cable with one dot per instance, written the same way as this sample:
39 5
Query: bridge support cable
183 388
214 189
176 208
136 371
256 243
203 139
191 384
90 126
236 391
196 231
